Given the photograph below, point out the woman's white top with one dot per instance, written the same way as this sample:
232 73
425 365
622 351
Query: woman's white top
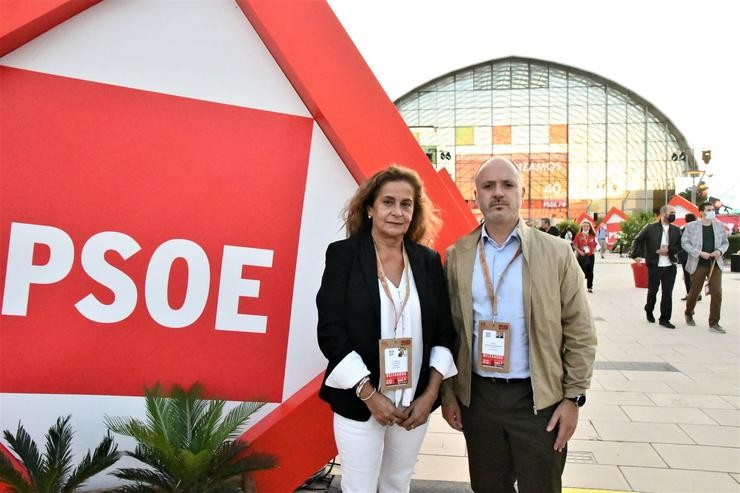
351 369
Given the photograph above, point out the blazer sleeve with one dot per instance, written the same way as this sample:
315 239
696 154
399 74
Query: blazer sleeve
331 303
689 240
724 244
638 244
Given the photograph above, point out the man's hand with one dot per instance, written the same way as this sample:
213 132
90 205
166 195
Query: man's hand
705 255
637 260
716 254
451 414
566 416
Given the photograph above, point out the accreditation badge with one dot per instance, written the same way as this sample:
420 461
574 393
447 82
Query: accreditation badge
493 345
395 364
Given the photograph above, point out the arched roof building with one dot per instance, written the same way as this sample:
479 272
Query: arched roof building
584 143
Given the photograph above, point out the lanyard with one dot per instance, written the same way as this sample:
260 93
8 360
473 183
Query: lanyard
384 282
487 275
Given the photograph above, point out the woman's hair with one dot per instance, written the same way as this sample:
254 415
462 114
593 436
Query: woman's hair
425 222
590 228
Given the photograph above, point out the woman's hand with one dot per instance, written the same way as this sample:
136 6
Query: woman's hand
383 410
418 412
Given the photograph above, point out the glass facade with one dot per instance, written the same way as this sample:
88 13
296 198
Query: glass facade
583 143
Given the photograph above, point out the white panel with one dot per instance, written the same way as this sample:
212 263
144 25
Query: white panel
199 49
329 187
38 412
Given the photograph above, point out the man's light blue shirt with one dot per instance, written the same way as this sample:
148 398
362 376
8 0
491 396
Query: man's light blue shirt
510 302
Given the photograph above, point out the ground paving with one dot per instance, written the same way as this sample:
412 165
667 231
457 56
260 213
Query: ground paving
663 412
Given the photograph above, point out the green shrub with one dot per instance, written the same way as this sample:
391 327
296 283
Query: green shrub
630 228
565 224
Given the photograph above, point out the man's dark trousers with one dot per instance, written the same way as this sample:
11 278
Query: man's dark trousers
663 277
508 442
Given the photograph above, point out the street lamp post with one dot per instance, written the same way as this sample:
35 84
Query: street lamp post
693 173
677 157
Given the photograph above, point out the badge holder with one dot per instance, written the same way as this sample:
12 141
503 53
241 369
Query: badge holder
493 345
395 364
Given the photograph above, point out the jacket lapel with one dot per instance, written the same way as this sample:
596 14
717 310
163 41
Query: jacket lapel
524 237
369 267
464 263
421 277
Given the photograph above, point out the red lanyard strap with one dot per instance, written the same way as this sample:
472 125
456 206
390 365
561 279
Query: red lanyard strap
492 293
397 314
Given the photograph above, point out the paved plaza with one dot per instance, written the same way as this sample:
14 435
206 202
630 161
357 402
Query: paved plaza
663 412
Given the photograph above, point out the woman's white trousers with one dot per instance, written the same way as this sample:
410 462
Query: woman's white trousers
376 458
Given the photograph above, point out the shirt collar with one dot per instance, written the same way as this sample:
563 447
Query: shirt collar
513 237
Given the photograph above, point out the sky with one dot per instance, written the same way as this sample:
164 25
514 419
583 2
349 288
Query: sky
679 55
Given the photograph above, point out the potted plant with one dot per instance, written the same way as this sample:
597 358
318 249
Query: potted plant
51 472
188 444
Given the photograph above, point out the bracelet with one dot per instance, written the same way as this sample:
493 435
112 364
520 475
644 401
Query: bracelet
360 384
363 399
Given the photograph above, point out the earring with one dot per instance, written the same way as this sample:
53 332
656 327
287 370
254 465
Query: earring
370 217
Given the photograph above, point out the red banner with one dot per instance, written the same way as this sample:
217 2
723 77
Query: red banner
145 236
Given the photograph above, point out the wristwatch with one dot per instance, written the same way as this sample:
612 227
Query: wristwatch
579 400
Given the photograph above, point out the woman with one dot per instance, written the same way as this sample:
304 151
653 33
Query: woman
380 284
585 246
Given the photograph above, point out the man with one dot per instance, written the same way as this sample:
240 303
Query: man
545 226
601 237
705 241
526 343
659 244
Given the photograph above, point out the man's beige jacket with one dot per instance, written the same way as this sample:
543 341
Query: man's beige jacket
562 337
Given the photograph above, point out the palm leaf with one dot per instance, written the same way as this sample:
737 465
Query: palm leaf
130 427
57 460
25 448
227 463
146 456
138 488
187 409
204 427
10 476
145 476
229 427
105 455
157 413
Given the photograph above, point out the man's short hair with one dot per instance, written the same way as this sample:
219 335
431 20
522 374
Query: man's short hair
546 220
664 208
704 205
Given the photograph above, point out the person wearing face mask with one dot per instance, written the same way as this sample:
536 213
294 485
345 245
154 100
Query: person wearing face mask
585 246
659 244
705 242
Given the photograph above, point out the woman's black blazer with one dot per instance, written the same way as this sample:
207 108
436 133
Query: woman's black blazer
348 305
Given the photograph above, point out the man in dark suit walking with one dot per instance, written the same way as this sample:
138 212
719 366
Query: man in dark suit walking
659 244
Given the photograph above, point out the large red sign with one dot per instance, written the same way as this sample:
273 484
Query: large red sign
145 235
